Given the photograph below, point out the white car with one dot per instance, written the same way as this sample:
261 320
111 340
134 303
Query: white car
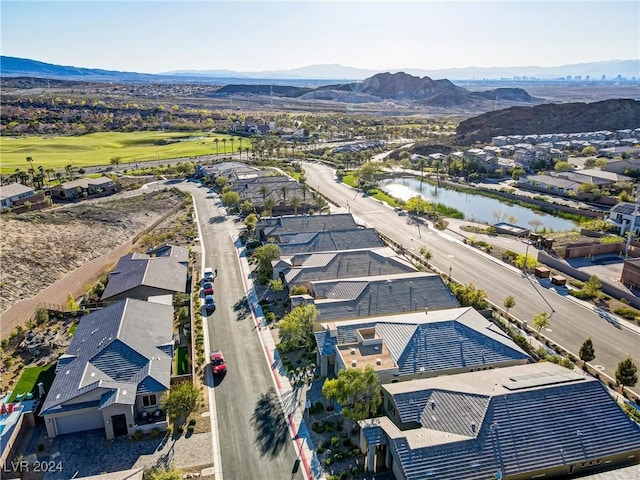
208 274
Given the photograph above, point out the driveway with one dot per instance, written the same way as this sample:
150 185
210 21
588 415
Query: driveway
89 453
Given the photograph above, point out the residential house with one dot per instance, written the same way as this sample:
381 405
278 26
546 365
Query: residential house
114 372
138 275
230 170
549 183
14 194
603 176
273 227
526 421
630 276
350 298
621 216
329 241
623 165
415 345
84 187
632 153
280 188
175 253
303 268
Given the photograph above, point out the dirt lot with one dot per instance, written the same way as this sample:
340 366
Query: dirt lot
36 249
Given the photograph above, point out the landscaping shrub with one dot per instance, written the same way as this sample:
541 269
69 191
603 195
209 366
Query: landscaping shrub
317 427
169 430
155 432
344 475
335 441
191 428
138 435
192 421
328 461
627 312
325 444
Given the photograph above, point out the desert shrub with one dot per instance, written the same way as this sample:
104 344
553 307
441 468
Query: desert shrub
335 441
192 421
155 432
328 461
138 435
191 428
169 430
627 312
317 427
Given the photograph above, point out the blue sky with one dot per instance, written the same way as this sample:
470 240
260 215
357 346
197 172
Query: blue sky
160 36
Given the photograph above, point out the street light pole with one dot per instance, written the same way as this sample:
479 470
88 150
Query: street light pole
526 256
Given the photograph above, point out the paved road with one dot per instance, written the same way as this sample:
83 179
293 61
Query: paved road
571 323
254 441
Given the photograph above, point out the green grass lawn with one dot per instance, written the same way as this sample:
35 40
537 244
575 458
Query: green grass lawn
73 328
30 378
100 148
182 361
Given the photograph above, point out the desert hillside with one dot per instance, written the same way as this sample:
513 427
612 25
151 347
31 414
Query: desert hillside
39 248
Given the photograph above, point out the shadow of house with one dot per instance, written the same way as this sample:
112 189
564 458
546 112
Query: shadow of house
115 370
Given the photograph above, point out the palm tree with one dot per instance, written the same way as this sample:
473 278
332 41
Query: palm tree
240 151
436 164
32 170
69 170
50 172
305 188
269 203
58 177
232 141
224 145
283 190
295 203
217 142
264 191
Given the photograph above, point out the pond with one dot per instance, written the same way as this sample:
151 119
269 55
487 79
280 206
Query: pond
475 207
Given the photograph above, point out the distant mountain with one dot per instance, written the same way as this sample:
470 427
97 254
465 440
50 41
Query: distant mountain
550 118
610 69
399 87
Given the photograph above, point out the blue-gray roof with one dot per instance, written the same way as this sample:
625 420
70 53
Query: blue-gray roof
177 254
119 347
515 431
345 264
329 241
160 274
276 226
447 339
381 295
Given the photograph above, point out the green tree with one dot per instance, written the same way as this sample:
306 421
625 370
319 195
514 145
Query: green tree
181 400
562 166
426 253
265 254
470 296
517 172
592 286
163 473
587 353
627 373
230 199
417 204
509 302
541 320
115 161
276 285
530 260
269 204
588 150
295 202
601 162
221 181
296 328
250 221
366 173
246 207
72 305
357 390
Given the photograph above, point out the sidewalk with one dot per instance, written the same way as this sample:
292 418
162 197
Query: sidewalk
289 397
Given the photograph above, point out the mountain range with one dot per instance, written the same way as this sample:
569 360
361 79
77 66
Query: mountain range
13 66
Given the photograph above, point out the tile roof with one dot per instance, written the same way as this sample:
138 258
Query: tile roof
327 241
471 426
138 269
380 295
14 189
276 226
117 347
345 264
440 340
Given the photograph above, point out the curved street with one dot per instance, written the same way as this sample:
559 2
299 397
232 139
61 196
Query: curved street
571 322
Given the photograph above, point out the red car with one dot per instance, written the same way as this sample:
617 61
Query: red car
208 288
218 365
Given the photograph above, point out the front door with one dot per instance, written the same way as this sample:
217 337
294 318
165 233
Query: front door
119 423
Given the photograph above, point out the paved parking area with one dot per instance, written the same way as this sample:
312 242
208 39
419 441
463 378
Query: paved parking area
89 453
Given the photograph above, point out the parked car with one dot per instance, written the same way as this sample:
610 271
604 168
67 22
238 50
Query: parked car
218 365
209 303
207 288
208 274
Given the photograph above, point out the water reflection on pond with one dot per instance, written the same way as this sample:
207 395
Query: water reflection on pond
475 207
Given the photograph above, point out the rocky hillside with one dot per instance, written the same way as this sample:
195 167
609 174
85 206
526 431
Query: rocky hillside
551 118
397 87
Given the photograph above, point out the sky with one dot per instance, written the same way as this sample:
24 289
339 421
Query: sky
162 36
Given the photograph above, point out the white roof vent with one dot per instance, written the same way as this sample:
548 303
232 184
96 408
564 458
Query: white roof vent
354 363
376 348
473 426
378 361
353 351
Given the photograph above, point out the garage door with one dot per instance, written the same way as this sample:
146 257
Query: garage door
78 423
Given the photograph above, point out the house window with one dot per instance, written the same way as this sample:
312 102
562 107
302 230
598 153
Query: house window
149 401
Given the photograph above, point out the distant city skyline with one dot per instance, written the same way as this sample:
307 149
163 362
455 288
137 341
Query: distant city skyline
161 36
